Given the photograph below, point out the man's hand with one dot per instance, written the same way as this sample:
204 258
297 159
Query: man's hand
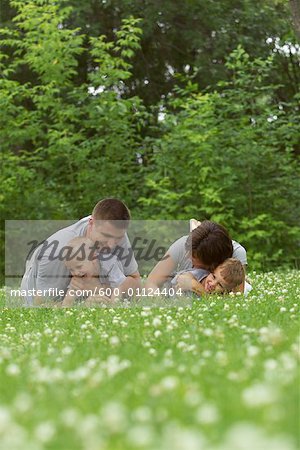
185 281
84 283
98 300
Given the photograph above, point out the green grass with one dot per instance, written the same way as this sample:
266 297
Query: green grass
221 374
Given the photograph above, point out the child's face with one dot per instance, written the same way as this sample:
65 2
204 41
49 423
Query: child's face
85 268
214 282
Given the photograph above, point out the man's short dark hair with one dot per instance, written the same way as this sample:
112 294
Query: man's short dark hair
112 210
210 243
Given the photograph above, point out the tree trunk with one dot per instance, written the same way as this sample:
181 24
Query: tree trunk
295 8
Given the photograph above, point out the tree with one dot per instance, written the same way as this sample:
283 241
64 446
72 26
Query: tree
228 156
65 144
179 37
295 8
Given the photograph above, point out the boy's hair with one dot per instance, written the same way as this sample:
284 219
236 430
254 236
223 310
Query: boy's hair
210 243
82 248
233 272
112 210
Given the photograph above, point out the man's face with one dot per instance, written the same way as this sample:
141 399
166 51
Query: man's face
214 282
105 233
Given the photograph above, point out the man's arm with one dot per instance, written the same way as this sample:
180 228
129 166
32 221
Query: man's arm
161 273
132 281
68 300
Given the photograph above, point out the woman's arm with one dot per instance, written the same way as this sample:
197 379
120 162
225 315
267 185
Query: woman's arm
187 282
161 273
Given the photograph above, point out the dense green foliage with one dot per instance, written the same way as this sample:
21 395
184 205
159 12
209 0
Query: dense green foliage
77 125
220 375
228 155
182 35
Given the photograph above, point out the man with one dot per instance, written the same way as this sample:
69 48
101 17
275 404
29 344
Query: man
207 246
106 227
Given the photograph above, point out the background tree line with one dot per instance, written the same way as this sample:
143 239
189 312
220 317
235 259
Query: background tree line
181 109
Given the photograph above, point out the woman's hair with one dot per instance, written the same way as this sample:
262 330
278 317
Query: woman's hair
210 243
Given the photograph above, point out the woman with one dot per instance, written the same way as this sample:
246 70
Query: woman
207 246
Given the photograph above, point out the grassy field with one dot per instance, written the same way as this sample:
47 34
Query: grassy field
222 374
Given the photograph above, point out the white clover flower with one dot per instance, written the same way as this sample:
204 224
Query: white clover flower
288 362
234 376
70 417
169 383
67 350
222 358
114 417
140 435
88 425
252 351
114 365
5 419
13 370
157 333
176 437
45 431
271 335
258 395
81 373
23 402
114 340
249 436
156 322
181 344
91 363
47 331
142 414
208 332
193 397
270 364
207 414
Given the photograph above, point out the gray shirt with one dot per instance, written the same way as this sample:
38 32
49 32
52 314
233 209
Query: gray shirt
45 270
183 261
198 274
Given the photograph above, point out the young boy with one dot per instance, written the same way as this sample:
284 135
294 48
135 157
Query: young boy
107 226
227 277
83 261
